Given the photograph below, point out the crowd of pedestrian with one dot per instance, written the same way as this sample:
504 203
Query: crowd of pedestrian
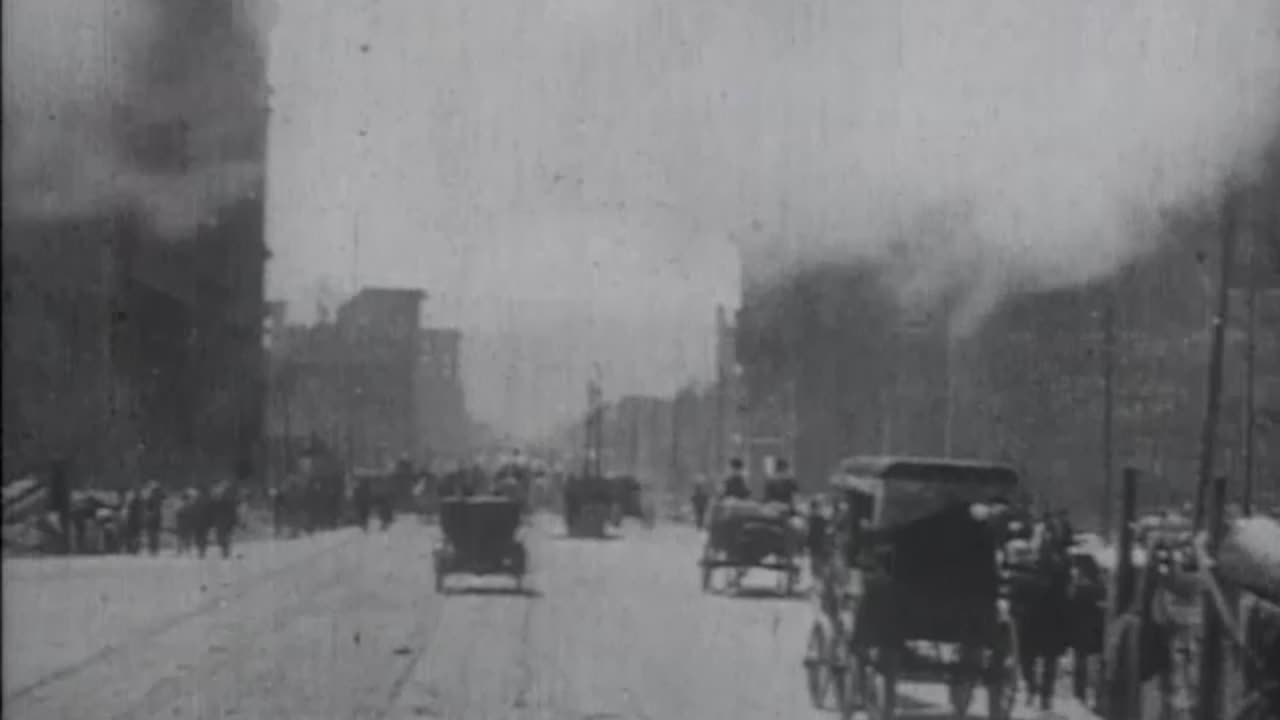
134 521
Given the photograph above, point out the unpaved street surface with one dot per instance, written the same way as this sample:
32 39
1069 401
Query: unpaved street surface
346 625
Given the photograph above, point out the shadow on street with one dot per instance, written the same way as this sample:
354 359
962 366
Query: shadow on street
496 591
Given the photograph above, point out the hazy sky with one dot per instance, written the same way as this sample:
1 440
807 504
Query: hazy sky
563 176
452 135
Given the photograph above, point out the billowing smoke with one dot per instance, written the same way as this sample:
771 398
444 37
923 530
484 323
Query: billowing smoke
153 106
980 144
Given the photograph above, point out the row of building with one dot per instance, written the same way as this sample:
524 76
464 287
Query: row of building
829 363
371 383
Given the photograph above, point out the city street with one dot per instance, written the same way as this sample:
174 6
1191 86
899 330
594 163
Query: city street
346 625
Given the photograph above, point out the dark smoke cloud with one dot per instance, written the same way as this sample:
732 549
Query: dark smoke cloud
975 145
154 106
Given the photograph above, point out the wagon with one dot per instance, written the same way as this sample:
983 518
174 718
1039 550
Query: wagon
480 538
744 535
914 592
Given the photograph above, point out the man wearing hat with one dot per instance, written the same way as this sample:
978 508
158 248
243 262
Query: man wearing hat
782 487
735 485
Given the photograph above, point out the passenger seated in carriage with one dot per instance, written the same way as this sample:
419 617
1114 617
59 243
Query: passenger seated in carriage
782 487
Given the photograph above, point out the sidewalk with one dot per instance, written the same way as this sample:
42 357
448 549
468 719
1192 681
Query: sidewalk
59 611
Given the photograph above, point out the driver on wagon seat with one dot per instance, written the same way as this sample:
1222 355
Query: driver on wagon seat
782 487
735 485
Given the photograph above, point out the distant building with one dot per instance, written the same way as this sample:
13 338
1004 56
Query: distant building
382 330
373 384
444 424
867 375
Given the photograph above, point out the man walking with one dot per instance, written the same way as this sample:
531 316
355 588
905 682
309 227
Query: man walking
817 542
60 503
153 514
700 499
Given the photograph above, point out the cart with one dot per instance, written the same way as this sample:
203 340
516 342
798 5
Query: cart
744 535
914 592
480 538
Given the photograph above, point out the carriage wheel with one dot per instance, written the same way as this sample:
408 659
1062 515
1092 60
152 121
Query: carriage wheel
1002 674
1121 661
849 678
880 694
818 667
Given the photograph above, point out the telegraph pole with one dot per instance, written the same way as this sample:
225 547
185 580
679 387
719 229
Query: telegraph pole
1108 410
675 440
949 421
1249 402
1213 396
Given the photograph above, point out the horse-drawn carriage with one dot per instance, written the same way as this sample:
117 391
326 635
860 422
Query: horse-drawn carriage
914 591
481 537
744 535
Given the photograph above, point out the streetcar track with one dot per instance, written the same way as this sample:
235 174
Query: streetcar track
315 596
164 695
215 603
418 641
419 644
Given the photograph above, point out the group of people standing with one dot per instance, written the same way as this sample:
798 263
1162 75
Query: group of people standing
134 520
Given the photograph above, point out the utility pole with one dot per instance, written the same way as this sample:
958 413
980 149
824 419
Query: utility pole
1249 401
588 429
721 436
948 427
593 430
675 440
1213 395
1108 410
633 429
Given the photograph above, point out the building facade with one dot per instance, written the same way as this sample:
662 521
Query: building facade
135 357
872 376
444 423
351 383
373 384
133 346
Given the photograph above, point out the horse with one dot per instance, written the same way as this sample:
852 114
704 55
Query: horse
1040 594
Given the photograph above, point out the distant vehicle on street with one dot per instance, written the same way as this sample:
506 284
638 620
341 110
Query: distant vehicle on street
481 537
589 504
743 535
